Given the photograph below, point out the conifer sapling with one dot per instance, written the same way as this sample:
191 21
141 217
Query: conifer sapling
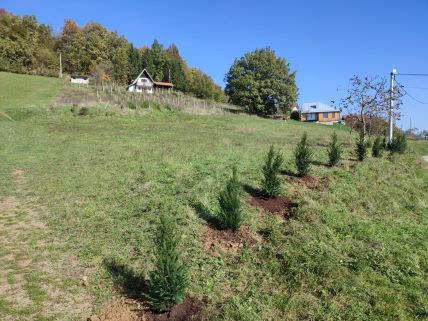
271 182
334 151
230 204
168 281
361 147
303 156
377 147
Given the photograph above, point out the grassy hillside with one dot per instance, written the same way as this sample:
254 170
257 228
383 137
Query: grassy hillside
355 249
20 95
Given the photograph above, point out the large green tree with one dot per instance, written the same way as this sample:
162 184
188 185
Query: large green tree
262 83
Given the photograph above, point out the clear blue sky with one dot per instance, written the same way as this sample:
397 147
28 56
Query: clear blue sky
325 41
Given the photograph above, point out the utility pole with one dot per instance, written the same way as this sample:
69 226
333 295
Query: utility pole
391 106
60 65
410 126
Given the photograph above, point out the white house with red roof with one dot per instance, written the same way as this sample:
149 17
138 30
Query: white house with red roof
145 83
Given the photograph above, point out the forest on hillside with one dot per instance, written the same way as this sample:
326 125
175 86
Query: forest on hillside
30 47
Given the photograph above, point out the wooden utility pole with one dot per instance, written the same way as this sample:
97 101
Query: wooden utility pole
60 65
391 106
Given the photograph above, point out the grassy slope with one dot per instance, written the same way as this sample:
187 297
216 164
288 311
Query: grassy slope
354 251
19 92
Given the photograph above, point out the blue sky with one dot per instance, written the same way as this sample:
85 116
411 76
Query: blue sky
325 41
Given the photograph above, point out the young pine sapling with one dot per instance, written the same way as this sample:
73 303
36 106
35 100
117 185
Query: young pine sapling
169 279
229 216
303 156
271 182
334 151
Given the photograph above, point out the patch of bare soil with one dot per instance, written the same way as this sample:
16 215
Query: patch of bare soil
25 251
281 206
226 240
310 182
133 310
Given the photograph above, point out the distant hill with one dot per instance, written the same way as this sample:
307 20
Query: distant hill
27 46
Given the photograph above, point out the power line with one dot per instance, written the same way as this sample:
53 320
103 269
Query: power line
424 75
416 87
407 93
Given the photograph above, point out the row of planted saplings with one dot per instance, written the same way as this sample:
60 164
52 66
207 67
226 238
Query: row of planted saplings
397 145
169 279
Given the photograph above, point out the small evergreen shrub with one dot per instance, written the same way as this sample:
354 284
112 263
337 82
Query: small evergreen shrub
361 147
334 151
271 182
398 144
303 156
384 143
295 115
230 204
169 279
377 147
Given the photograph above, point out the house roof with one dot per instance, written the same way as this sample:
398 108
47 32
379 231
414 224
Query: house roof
316 107
146 73
165 84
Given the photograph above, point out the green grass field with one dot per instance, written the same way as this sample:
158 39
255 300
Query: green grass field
21 95
356 248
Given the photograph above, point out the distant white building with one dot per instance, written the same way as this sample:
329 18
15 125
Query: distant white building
145 83
77 79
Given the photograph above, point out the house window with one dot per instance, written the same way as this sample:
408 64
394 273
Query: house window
325 115
311 117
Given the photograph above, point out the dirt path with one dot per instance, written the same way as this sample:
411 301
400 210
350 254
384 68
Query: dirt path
425 158
37 280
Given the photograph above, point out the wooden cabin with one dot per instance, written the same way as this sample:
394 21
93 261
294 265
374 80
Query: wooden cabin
319 112
145 83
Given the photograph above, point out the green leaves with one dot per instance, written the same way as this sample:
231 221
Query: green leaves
261 82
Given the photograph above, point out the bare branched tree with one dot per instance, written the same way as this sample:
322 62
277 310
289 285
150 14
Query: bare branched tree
370 97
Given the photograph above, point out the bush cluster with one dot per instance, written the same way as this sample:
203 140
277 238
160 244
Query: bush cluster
398 144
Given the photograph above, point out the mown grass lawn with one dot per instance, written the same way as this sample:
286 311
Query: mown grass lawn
19 92
356 248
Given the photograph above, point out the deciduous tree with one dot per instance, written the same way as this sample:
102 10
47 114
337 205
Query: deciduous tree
261 82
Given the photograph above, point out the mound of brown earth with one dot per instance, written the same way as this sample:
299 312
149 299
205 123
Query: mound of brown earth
311 181
226 240
281 205
133 310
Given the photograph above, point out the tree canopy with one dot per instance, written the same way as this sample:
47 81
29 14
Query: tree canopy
262 83
27 46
